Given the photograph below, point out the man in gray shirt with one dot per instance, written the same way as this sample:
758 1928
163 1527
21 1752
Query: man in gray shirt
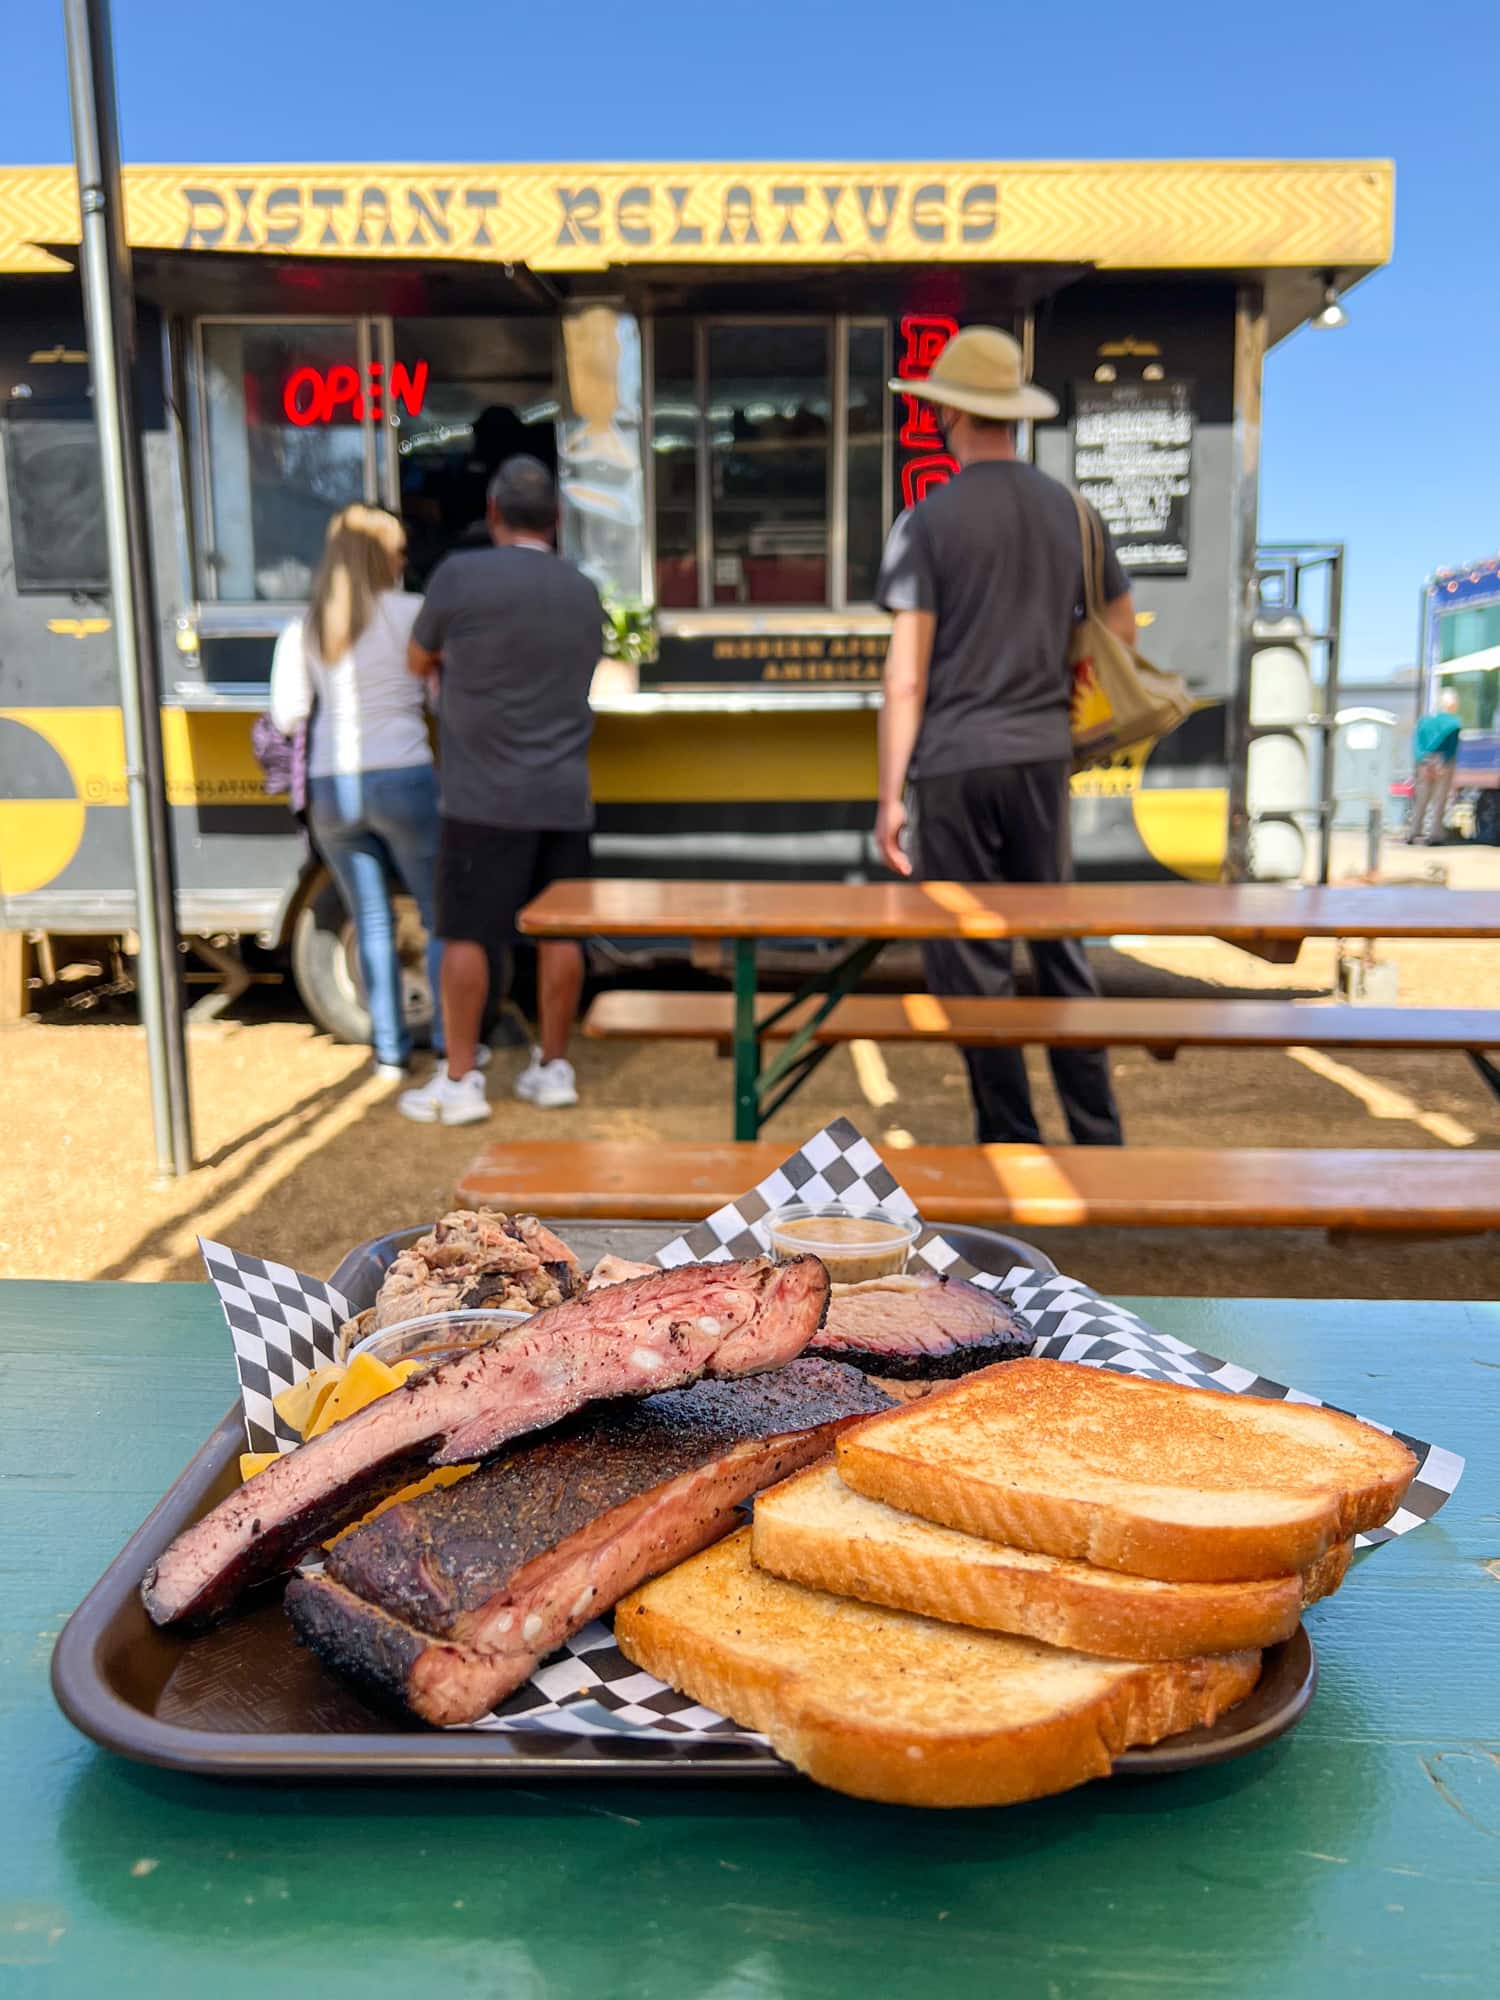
985 580
515 635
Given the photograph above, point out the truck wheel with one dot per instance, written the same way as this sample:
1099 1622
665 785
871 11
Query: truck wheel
1487 819
325 965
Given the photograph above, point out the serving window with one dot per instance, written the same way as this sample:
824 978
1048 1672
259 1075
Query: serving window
488 390
771 461
295 419
286 437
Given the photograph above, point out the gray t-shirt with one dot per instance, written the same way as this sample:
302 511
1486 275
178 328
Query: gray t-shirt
997 554
520 632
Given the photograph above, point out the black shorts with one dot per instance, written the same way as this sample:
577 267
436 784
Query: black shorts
487 875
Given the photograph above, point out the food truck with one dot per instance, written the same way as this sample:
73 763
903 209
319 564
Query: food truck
703 352
1460 649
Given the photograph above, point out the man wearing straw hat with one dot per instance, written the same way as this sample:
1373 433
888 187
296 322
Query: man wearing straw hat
985 581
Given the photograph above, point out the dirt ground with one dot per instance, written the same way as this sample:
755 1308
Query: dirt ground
304 1155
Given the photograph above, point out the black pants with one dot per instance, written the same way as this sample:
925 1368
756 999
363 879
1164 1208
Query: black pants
1010 824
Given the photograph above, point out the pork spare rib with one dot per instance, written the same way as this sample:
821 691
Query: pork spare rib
447 1603
633 1339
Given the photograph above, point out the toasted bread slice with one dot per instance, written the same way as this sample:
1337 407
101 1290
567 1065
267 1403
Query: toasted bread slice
814 1529
887 1706
1189 1485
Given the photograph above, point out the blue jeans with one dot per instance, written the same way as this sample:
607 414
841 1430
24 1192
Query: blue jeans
376 828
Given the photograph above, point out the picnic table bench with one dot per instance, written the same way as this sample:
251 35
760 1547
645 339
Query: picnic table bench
1356 1190
1162 1026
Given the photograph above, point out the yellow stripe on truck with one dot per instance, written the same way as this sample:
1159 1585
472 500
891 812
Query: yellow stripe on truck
687 759
637 759
207 753
666 759
38 838
1185 828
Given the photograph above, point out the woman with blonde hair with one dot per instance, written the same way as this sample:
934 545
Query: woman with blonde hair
372 792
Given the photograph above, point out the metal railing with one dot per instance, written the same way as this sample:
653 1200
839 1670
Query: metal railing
1306 580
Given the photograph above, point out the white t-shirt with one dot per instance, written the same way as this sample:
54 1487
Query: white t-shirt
371 710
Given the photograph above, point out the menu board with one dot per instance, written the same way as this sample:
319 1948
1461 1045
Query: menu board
1133 460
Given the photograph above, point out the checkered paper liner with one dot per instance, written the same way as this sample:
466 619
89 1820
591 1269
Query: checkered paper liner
283 1325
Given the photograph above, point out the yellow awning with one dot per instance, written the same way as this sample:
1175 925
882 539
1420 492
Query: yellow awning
1119 215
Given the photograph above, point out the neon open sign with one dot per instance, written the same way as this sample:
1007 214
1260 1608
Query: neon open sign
323 395
923 338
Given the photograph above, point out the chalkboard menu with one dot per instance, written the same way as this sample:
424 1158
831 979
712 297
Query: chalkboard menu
1133 460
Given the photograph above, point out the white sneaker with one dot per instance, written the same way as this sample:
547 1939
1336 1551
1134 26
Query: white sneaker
444 1101
391 1072
550 1086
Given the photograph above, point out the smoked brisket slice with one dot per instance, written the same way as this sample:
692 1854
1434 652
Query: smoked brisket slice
633 1339
447 1603
921 1328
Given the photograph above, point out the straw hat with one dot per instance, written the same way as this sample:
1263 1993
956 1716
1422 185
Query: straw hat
981 371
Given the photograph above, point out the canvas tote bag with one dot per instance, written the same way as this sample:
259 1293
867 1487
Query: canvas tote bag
1118 698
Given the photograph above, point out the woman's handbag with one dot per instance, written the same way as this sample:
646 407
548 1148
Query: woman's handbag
282 761
1118 698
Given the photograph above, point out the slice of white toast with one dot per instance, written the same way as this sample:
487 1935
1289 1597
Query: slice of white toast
887 1706
1188 1485
815 1530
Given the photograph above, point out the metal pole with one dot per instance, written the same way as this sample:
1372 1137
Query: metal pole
109 309
1249 355
746 1043
1424 656
1374 828
1327 803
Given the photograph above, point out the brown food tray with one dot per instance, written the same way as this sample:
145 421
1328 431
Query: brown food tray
245 1700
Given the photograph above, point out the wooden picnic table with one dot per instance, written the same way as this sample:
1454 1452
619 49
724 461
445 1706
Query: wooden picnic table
1270 921
1357 1855
1246 914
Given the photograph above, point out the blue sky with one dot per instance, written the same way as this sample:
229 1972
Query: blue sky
1385 435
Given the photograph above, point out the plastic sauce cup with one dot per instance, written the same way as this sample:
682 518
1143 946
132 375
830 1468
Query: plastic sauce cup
437 1336
855 1244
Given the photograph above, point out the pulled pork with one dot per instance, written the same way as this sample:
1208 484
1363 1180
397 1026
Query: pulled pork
471 1260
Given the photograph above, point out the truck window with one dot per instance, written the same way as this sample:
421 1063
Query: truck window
56 496
674 458
284 417
771 456
1475 629
770 406
488 391
867 477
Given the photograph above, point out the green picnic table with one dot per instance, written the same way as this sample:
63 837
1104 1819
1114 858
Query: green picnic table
1360 1854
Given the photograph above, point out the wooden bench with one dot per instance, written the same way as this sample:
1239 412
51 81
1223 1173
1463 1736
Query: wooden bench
1398 1191
1160 1025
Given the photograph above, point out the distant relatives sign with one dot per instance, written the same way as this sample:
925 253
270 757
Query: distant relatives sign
585 218
1133 460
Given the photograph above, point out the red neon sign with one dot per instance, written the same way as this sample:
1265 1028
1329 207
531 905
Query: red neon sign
321 395
923 338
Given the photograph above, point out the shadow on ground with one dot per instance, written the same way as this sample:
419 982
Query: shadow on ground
305 1157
